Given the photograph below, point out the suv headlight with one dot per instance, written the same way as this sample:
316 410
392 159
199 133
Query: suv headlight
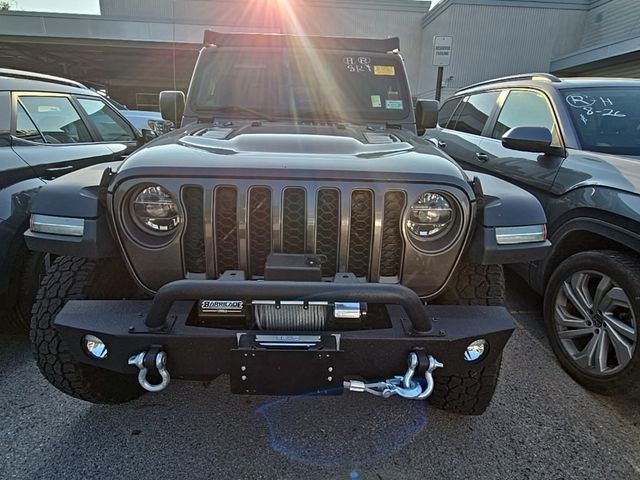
155 210
431 216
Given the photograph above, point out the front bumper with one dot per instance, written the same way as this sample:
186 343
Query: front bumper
128 327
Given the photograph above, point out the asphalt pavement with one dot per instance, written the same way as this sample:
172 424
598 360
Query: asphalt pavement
541 425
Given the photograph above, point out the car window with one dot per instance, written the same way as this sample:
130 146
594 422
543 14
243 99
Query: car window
525 108
446 111
56 118
607 119
25 128
111 127
475 112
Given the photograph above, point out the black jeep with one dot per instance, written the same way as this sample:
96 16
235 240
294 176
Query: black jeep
289 234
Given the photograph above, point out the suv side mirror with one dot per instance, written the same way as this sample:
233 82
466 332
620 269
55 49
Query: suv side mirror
148 135
426 114
528 139
172 105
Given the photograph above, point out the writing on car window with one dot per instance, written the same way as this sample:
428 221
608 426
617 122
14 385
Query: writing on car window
606 119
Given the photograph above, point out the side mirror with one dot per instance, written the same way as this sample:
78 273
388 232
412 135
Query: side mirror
528 139
426 114
148 135
172 105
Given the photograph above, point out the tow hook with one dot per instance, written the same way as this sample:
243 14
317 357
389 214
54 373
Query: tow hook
405 386
155 360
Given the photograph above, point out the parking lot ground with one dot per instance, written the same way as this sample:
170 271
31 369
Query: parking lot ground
541 425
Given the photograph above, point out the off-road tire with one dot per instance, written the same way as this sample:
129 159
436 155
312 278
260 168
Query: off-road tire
29 272
623 269
74 278
474 285
468 394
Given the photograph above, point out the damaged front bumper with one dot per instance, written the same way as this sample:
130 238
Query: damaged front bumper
283 362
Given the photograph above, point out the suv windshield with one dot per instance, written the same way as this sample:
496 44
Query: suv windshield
607 119
302 84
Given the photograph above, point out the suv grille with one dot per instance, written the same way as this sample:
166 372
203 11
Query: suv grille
226 229
250 222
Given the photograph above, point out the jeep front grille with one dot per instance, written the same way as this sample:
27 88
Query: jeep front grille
225 228
358 230
194 234
328 229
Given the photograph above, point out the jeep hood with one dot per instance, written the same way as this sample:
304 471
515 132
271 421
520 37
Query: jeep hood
283 151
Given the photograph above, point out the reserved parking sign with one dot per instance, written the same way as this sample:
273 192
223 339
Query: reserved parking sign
442 51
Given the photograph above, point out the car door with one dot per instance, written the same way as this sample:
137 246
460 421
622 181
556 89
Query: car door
50 135
461 136
533 171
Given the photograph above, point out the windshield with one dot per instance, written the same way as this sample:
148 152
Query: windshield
607 119
302 84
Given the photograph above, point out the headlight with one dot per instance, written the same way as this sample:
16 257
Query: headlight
430 216
155 209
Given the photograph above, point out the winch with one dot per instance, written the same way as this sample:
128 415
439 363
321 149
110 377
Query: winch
299 315
288 315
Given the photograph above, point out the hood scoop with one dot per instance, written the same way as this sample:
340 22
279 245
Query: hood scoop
379 138
295 144
215 133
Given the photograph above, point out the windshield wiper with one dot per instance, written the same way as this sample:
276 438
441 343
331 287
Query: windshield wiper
237 109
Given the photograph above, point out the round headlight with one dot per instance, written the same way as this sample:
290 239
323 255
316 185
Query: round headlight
430 216
155 209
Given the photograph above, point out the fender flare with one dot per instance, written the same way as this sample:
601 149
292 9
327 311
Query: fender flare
609 230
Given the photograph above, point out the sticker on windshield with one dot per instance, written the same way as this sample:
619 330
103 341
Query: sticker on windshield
384 70
376 101
394 105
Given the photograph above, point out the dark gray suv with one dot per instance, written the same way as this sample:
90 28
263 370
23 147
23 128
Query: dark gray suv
575 144
49 127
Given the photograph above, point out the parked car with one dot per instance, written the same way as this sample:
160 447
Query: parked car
575 144
49 126
288 235
142 119
148 119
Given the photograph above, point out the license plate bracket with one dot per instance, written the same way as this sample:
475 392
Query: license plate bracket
289 370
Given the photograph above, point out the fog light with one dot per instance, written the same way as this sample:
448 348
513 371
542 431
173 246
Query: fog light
94 347
476 350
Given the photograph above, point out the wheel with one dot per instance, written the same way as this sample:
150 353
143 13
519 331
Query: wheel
31 269
591 309
73 278
474 285
468 394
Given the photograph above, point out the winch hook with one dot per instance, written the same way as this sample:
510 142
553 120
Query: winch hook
404 386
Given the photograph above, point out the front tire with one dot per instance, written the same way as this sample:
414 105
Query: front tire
467 394
73 278
592 312
30 270
474 285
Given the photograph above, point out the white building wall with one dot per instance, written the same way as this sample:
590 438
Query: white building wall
611 21
493 41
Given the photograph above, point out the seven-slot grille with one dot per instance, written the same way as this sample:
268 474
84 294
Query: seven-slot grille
250 222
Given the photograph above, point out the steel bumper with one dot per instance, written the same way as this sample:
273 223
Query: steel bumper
130 326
